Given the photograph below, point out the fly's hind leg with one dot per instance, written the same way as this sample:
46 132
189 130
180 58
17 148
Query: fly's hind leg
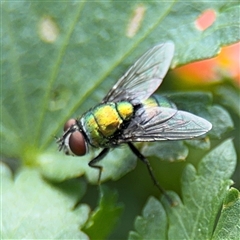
150 170
98 158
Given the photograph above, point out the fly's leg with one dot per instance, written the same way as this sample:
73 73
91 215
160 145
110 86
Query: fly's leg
98 158
150 170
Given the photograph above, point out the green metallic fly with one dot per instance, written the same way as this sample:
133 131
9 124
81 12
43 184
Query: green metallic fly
128 113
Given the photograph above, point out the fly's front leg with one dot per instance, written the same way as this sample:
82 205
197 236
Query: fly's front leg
98 158
150 170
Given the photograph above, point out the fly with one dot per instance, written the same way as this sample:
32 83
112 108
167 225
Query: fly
130 113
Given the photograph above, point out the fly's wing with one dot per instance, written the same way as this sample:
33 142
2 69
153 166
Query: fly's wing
144 77
159 123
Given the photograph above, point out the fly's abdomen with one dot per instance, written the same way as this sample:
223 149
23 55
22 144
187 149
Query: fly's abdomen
125 110
159 101
101 123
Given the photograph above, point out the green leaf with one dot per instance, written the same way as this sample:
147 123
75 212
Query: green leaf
203 192
228 226
221 121
104 218
33 209
178 151
229 96
153 223
201 143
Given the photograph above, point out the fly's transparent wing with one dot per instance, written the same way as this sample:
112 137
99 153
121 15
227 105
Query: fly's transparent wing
159 123
144 77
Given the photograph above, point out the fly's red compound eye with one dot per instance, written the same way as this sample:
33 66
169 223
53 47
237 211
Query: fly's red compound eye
69 123
77 143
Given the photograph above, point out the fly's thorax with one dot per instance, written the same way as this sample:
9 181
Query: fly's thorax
159 101
102 121
91 129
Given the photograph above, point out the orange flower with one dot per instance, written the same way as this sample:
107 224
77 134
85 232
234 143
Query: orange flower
226 64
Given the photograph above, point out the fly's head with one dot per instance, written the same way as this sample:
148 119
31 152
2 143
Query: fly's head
72 141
